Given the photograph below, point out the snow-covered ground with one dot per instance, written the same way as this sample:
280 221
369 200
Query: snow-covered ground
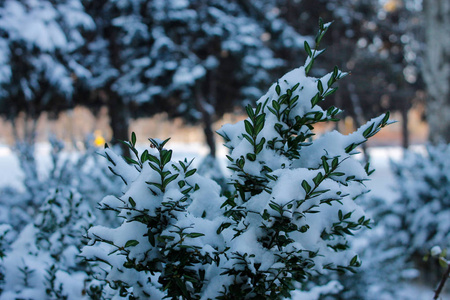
10 173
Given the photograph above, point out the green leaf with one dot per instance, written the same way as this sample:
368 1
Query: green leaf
293 101
154 143
350 147
133 139
385 118
325 164
334 163
249 139
110 159
275 207
318 116
337 174
330 92
250 111
320 86
354 260
308 49
331 80
170 179
151 237
318 179
158 185
194 235
163 238
335 72
156 168
164 143
131 243
309 66
278 89
154 159
368 130
306 186
133 204
276 105
258 128
248 127
222 227
251 156
272 110
260 119
190 173
304 228
321 24
258 108
144 156
240 162
186 191
260 146
316 193
315 100
166 156
130 160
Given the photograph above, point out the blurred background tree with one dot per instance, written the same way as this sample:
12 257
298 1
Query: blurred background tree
190 59
376 41
436 68
200 59
39 65
40 68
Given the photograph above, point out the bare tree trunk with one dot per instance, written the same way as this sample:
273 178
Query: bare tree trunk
445 276
207 111
436 69
119 121
405 131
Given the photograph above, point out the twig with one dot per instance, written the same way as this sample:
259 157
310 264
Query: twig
442 283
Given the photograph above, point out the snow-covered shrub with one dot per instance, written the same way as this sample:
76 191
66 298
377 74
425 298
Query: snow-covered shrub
83 171
210 168
419 218
42 226
5 240
43 261
406 228
291 207
423 207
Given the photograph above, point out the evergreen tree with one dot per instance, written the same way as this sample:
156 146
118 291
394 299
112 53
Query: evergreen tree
377 42
194 59
39 67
